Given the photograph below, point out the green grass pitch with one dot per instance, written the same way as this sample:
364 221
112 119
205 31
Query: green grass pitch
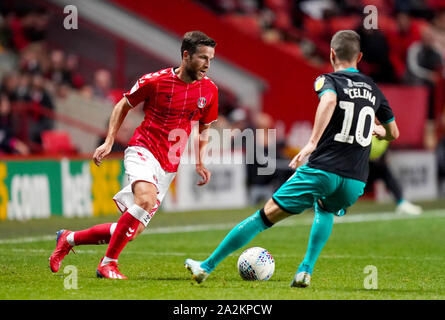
408 253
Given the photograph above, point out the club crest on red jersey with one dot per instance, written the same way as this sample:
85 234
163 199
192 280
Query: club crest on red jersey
202 102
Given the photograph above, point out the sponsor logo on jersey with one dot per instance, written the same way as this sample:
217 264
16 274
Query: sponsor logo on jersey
202 102
358 84
319 83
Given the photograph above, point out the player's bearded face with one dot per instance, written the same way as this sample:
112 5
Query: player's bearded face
199 63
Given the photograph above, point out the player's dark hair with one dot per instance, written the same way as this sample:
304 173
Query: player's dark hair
346 45
193 39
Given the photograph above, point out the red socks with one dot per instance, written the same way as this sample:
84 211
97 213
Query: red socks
99 234
124 232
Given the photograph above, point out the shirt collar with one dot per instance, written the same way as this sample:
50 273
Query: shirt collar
351 70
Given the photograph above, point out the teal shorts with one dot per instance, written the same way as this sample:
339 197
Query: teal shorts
308 185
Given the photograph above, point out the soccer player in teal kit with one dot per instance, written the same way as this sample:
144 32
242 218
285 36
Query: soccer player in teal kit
335 175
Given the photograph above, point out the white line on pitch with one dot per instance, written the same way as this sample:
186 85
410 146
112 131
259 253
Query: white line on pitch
183 254
354 218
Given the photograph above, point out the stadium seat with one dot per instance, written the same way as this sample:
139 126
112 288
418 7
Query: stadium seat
387 24
313 27
291 48
245 23
57 142
277 4
344 23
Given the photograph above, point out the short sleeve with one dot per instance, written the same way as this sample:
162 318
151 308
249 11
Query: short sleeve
210 113
323 84
384 112
139 92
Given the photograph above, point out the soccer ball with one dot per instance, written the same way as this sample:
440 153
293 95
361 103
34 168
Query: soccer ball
256 264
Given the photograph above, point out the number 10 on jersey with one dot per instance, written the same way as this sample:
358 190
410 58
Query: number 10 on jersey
362 139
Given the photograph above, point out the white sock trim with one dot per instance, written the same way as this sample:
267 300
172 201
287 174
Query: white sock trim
70 239
112 228
140 214
107 260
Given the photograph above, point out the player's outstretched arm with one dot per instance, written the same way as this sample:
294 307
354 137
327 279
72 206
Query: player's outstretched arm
118 115
202 150
325 109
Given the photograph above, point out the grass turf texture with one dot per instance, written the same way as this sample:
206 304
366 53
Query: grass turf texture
407 252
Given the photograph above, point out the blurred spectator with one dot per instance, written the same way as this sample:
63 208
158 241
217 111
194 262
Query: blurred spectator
220 6
17 24
416 8
26 24
375 62
22 90
425 65
57 72
32 58
349 6
227 102
407 32
263 185
41 99
5 34
438 32
9 144
102 84
440 156
9 85
232 6
75 78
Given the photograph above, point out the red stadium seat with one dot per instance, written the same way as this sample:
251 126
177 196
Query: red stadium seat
313 27
277 4
387 24
344 23
291 48
57 142
245 23
410 107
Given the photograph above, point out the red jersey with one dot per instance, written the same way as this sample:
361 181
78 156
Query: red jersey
170 106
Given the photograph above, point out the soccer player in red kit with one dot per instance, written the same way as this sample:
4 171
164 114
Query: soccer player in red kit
173 98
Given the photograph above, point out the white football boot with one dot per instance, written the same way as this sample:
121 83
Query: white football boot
198 273
409 208
301 280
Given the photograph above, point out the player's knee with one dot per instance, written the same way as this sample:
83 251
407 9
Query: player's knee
273 213
145 195
146 201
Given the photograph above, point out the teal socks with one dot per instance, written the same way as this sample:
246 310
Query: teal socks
235 239
320 232
244 232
